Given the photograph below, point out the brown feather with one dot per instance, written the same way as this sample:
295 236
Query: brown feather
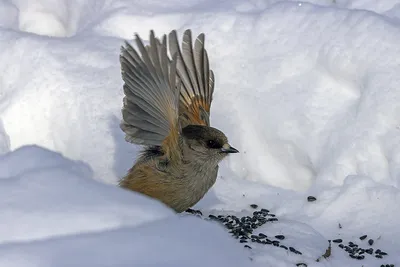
147 180
195 77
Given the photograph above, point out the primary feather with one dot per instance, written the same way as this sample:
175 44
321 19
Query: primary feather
150 110
197 80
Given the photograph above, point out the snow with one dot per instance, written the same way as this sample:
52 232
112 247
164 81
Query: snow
52 209
307 91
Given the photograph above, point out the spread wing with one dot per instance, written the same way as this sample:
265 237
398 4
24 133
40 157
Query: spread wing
151 101
195 80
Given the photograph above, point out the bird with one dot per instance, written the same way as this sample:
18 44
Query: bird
166 109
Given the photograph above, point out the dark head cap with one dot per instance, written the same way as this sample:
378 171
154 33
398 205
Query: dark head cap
209 137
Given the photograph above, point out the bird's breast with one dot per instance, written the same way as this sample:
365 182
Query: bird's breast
199 180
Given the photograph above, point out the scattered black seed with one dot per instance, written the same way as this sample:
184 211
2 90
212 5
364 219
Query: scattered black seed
192 211
262 235
340 226
241 228
363 237
352 245
311 198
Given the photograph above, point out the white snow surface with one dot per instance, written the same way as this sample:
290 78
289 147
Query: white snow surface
307 91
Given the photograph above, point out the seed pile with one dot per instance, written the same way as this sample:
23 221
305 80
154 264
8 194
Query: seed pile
242 228
357 252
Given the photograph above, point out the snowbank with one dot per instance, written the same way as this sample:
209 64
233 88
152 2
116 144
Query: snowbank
170 242
45 195
55 214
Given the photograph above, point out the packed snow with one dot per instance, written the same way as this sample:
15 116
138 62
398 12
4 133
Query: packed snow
307 91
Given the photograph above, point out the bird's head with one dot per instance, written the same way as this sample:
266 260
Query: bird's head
207 143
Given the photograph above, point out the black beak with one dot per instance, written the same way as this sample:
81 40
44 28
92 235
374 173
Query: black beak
229 150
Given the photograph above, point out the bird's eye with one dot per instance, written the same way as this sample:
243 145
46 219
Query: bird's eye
213 144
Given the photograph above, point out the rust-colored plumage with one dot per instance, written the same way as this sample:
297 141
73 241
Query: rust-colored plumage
166 108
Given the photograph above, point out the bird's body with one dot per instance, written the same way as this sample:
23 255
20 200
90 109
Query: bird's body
180 185
166 108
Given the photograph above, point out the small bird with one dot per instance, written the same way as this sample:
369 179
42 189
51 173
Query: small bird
166 109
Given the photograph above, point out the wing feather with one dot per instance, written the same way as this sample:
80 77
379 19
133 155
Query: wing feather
151 101
162 93
197 80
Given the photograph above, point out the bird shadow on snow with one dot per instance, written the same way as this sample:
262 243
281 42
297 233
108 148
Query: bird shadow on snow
124 153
